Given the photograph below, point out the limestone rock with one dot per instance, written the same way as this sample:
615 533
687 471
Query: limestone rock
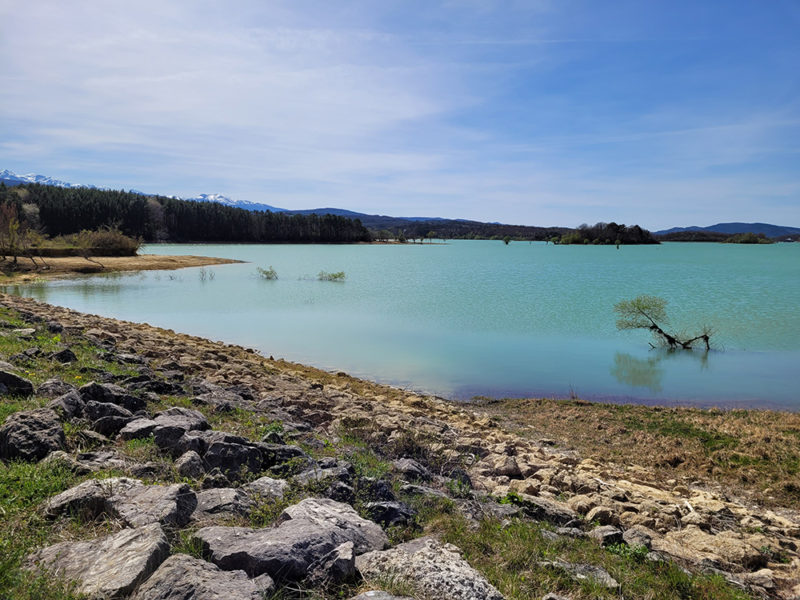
190 465
109 392
603 515
727 547
108 567
607 535
184 418
14 384
53 388
69 405
338 565
137 429
325 513
544 509
97 410
182 577
584 572
231 458
411 470
638 536
31 435
434 570
307 533
389 514
127 499
379 595
266 488
222 503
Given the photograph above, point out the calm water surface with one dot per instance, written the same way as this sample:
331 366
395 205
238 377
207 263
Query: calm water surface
480 318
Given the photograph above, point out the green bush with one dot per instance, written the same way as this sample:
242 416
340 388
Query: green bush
325 276
268 274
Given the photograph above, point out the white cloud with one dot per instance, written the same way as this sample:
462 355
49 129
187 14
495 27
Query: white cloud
393 108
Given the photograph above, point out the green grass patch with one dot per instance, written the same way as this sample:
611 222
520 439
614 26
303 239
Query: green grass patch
509 556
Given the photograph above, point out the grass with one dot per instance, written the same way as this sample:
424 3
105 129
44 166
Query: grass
510 556
749 452
23 487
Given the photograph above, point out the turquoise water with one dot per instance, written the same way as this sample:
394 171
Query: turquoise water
472 318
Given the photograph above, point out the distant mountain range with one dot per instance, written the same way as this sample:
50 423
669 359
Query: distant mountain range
388 222
371 221
767 229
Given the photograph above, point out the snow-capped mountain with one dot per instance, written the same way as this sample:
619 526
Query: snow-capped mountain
245 204
11 177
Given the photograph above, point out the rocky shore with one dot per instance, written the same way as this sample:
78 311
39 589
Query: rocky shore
156 465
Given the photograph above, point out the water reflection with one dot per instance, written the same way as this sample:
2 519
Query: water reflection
648 372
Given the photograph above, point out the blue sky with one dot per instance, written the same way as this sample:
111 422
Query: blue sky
533 112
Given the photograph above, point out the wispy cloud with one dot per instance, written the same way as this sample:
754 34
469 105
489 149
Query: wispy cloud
539 113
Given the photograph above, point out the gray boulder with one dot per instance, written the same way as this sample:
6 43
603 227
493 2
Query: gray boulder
316 475
199 441
127 499
184 418
31 435
266 488
543 509
108 567
182 577
137 429
110 425
97 410
232 459
411 469
389 514
607 535
379 595
64 356
583 572
190 465
432 569
338 565
69 405
307 533
222 503
53 388
109 392
14 384
638 536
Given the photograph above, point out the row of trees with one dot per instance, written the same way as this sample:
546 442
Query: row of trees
63 211
607 233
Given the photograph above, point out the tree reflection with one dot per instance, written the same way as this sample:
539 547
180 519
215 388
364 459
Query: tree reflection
648 372
637 372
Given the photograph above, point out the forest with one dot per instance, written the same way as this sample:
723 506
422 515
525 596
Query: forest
56 211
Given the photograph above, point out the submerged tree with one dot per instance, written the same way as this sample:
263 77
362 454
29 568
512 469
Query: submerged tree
649 312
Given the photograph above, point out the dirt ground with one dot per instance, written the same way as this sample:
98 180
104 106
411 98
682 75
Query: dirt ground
51 268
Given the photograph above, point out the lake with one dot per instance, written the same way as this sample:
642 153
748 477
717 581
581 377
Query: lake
468 318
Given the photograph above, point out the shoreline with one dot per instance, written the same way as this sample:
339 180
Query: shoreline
653 469
71 266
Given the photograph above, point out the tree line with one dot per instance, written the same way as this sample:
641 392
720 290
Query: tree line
63 211
607 233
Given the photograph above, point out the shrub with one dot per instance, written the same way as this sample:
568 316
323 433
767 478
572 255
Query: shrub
325 276
269 274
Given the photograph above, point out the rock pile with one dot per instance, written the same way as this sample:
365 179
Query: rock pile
323 540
